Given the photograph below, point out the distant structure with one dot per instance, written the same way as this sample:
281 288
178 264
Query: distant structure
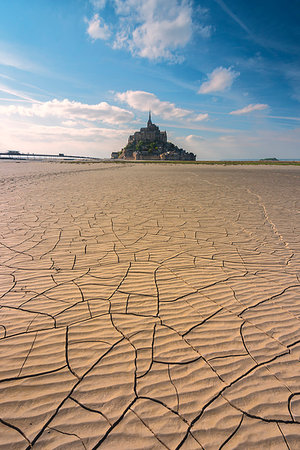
151 144
149 134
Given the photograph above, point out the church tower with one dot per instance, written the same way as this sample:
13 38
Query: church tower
149 123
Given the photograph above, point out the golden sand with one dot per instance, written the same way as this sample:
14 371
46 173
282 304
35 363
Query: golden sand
149 306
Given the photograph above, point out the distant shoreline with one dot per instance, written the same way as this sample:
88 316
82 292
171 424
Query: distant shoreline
122 161
221 163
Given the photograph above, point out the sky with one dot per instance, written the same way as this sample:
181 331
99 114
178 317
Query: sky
222 77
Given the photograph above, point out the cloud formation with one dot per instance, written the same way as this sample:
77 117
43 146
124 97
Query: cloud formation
166 26
143 101
15 93
98 4
71 110
200 117
219 80
97 28
149 28
250 108
83 140
245 145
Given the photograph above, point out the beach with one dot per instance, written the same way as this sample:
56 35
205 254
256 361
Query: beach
149 306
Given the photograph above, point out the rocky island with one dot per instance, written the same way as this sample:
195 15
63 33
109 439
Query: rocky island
152 144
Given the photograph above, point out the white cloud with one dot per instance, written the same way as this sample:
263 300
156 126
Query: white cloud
200 117
149 28
15 93
250 108
205 30
194 138
218 80
11 57
143 101
70 110
89 140
245 145
164 29
97 28
98 4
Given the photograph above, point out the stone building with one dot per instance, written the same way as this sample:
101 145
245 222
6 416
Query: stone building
151 144
150 134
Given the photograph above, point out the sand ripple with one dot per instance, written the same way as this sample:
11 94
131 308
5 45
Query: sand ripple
149 307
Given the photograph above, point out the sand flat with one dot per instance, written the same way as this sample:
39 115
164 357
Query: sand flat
149 306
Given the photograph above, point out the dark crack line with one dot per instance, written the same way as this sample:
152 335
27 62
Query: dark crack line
123 279
151 431
31 312
203 321
221 392
115 252
54 247
152 355
233 433
227 356
32 375
87 408
67 355
18 430
115 234
28 353
127 300
289 404
54 287
178 363
11 288
263 419
173 384
283 436
72 390
195 439
68 434
114 424
196 351
80 290
160 402
16 251
5 331
244 343
268 299
157 292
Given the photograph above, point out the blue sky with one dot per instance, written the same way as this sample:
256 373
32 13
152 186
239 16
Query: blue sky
221 76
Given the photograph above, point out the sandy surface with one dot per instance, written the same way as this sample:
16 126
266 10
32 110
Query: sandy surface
147 306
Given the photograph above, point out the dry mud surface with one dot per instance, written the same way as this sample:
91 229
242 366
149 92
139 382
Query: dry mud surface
149 307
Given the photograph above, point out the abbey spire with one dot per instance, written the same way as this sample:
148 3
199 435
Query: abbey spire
149 123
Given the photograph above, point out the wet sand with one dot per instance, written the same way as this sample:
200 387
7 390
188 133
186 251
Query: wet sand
149 306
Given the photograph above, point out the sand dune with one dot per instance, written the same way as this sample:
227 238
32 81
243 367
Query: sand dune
149 306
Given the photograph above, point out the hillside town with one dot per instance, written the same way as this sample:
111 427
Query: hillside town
152 144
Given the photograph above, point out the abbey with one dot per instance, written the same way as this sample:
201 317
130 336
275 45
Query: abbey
151 144
150 134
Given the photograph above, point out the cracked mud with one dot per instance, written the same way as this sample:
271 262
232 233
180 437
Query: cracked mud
146 306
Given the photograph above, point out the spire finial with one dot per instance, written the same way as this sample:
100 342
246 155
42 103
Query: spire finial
149 120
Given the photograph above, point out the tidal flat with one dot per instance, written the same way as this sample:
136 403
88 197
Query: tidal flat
149 306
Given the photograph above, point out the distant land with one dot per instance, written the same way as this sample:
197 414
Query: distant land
152 144
61 157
